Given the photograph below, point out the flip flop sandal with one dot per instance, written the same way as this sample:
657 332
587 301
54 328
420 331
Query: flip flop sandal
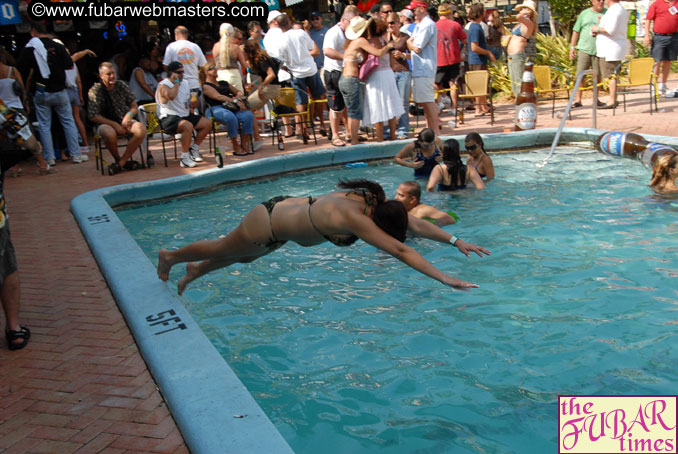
131 165
576 104
114 169
23 333
338 143
240 154
150 162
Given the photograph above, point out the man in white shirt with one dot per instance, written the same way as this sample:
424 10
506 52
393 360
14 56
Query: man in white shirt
333 48
611 44
424 47
176 104
297 51
273 41
188 54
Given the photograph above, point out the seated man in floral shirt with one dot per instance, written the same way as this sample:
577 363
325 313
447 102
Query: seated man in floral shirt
113 107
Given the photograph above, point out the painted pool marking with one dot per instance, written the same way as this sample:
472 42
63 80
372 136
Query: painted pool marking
98 219
158 319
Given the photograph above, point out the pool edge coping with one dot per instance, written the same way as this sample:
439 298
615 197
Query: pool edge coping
210 404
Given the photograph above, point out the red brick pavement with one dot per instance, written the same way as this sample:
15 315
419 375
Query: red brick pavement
81 385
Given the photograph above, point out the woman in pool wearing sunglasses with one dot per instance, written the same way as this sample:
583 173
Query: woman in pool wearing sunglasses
338 217
423 154
478 159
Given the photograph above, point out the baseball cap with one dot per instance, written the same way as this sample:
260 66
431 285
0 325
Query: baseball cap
407 13
173 66
416 4
316 14
273 15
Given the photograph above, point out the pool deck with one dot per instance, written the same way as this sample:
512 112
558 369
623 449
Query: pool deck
81 385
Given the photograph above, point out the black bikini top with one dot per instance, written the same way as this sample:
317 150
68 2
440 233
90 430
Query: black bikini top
341 240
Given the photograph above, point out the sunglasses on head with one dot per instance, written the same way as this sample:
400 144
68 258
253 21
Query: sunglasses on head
392 23
472 147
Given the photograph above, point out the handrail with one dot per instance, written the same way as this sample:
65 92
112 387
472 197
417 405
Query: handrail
580 76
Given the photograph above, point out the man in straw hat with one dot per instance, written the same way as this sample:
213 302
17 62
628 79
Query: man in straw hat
424 48
450 36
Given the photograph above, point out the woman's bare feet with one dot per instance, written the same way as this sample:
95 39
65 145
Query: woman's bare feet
190 276
164 264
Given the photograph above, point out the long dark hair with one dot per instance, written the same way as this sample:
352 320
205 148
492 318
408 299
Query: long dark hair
452 161
475 137
426 135
254 53
390 216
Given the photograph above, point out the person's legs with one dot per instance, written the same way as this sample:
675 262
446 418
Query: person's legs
62 107
80 125
379 129
185 128
404 82
424 95
203 128
244 244
392 124
336 105
110 138
584 62
138 131
10 293
227 118
516 66
246 120
666 69
43 112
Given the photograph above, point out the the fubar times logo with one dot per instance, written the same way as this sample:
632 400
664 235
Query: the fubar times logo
617 424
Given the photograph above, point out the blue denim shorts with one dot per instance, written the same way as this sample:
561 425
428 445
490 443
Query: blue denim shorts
352 91
303 85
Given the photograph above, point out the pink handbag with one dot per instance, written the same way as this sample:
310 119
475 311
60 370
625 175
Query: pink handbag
370 65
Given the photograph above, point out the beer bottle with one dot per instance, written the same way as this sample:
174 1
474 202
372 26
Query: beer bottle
631 145
526 102
220 158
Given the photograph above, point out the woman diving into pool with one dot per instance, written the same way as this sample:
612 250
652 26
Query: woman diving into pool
339 217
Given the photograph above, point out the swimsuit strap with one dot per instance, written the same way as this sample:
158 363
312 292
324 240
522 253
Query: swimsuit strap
311 201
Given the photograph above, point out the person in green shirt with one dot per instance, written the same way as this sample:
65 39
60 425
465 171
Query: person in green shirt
583 43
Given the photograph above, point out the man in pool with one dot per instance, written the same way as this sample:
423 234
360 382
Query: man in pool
409 194
338 217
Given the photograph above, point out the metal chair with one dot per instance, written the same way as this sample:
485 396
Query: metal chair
281 109
150 111
640 74
544 85
477 84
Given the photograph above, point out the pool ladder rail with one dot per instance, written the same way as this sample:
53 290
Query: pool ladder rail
580 77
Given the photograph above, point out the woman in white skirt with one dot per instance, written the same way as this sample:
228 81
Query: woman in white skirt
227 55
382 99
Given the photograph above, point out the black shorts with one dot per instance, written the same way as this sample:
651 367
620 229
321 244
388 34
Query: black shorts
8 263
171 122
335 100
664 47
446 74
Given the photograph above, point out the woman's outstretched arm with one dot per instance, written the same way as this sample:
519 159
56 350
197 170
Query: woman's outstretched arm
363 227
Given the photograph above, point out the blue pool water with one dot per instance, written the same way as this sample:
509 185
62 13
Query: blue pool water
347 350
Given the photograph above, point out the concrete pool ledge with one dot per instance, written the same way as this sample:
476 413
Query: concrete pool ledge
212 408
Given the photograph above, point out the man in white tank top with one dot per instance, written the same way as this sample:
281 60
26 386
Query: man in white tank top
175 113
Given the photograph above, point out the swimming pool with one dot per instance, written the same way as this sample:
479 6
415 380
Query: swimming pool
348 348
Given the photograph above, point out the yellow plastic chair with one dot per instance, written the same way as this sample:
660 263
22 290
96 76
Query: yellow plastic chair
476 84
281 109
150 112
640 74
544 85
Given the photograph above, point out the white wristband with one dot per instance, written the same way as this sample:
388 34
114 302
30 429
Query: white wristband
453 240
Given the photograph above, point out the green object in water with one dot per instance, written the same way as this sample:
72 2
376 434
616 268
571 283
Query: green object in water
451 213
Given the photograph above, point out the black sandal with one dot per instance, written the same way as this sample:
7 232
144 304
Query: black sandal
23 333
150 162
114 169
131 165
